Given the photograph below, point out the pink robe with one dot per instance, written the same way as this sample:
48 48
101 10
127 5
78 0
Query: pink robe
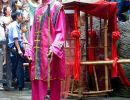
38 48
57 43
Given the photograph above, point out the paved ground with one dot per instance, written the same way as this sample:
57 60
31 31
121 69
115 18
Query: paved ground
15 95
26 95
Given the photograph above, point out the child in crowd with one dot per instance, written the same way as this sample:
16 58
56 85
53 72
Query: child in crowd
24 30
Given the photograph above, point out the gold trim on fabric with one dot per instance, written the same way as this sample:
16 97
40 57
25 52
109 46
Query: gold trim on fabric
36 47
36 40
37 32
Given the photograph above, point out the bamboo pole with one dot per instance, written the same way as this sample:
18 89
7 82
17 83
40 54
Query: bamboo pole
81 77
121 61
47 96
72 86
106 54
93 93
97 92
95 77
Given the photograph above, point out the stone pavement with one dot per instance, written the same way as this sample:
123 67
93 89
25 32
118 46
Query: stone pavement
15 95
26 95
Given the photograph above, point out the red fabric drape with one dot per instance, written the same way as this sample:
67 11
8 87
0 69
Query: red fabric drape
123 78
91 39
91 51
76 35
116 67
115 37
101 9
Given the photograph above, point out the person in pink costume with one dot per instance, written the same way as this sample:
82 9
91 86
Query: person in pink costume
37 51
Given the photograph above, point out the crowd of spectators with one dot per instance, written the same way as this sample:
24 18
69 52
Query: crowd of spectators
16 19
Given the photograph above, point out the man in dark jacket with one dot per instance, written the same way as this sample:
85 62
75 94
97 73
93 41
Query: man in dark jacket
123 6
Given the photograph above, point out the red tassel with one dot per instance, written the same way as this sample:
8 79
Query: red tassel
76 35
115 37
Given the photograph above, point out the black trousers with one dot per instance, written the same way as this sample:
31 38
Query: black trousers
17 70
